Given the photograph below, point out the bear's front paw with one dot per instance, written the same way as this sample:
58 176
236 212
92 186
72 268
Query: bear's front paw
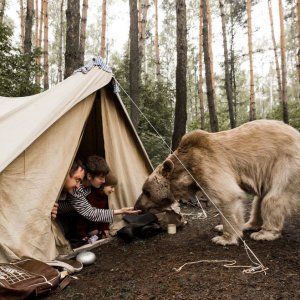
221 240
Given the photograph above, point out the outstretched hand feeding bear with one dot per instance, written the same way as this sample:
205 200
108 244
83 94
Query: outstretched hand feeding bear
260 157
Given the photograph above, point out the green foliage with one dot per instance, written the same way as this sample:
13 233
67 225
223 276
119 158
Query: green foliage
294 112
17 70
156 98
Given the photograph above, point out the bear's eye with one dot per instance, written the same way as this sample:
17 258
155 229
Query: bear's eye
146 193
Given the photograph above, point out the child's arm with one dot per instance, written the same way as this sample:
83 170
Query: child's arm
126 211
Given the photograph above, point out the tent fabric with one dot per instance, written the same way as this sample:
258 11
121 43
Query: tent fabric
24 119
123 157
40 136
31 183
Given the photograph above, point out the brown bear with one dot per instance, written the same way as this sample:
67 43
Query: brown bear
260 157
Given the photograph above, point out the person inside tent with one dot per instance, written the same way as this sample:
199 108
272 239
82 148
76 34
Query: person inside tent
75 201
97 198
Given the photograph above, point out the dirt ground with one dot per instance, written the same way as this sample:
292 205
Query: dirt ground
144 269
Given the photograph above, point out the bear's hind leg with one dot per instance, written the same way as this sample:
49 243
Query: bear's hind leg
273 212
255 221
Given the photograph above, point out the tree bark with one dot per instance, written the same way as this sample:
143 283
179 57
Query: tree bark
28 26
36 11
181 69
36 32
226 66
22 22
209 19
2 9
72 58
283 65
41 24
232 63
60 77
275 51
134 64
209 85
83 31
252 95
142 30
156 43
46 64
200 67
103 30
298 52
40 37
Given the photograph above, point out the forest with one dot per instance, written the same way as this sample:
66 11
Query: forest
181 65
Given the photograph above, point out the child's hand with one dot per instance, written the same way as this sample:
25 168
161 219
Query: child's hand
130 210
126 211
54 210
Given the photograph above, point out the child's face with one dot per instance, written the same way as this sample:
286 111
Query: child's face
108 189
96 181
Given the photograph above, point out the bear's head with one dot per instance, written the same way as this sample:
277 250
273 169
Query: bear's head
169 182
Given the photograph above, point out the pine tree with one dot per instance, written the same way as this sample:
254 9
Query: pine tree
252 110
2 9
181 71
275 51
283 65
209 82
103 30
46 54
72 57
83 31
134 64
226 66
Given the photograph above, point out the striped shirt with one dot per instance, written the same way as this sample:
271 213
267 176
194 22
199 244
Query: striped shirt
77 201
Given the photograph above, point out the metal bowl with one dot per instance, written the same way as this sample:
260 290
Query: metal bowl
86 258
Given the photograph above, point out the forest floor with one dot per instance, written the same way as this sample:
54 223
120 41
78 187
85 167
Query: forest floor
144 269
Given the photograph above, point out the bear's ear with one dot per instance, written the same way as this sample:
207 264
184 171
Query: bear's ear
167 167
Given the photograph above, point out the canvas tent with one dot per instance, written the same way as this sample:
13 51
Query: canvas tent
40 136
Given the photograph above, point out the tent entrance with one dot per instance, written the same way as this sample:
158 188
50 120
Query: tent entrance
92 141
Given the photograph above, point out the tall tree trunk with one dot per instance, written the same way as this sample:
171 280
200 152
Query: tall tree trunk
298 52
36 33
252 95
181 84
157 58
46 64
226 66
275 51
200 78
2 9
22 24
232 63
144 4
36 24
60 77
134 64
40 37
103 30
209 19
85 4
72 61
28 26
209 85
283 65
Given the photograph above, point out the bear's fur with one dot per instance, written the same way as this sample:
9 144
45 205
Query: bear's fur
261 157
